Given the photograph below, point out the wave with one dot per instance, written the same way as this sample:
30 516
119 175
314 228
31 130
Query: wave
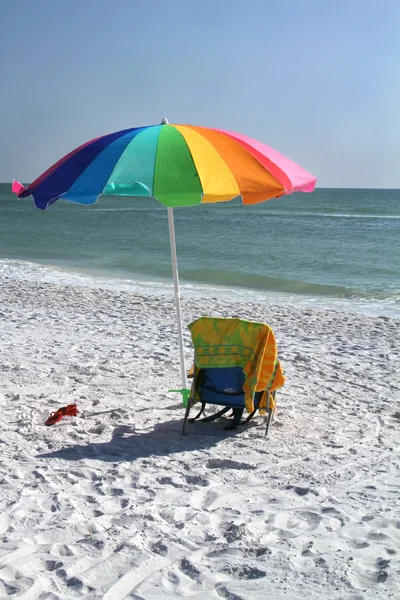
209 277
335 215
267 283
238 212
296 214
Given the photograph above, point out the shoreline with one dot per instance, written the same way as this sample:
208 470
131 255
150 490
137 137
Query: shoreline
15 269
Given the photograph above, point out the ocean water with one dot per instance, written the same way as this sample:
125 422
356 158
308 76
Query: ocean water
336 248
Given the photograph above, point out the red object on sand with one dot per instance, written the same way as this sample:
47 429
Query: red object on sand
70 411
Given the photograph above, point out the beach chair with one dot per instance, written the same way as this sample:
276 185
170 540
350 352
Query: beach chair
235 366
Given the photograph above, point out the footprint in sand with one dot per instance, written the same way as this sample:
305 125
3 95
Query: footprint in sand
223 592
197 480
62 550
248 572
357 545
233 532
219 463
300 491
97 430
168 481
382 564
53 565
189 569
159 548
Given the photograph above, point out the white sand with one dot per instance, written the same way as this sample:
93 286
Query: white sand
117 504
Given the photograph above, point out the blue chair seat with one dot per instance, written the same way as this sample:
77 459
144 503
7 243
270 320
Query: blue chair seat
224 387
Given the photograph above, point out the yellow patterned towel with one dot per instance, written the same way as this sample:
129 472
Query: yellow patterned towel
238 343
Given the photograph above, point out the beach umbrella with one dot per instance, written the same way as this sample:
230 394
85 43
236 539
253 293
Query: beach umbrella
179 165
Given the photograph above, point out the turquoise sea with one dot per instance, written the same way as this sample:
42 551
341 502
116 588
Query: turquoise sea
335 248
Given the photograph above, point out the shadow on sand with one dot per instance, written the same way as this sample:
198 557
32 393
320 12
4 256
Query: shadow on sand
162 440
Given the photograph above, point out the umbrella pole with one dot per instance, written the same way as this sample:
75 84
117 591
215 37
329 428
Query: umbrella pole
177 296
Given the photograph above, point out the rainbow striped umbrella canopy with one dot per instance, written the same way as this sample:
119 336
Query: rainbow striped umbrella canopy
180 165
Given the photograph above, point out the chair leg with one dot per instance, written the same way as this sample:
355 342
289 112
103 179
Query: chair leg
269 414
189 406
237 417
203 405
251 415
269 417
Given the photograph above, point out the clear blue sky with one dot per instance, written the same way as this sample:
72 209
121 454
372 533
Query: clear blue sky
316 79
